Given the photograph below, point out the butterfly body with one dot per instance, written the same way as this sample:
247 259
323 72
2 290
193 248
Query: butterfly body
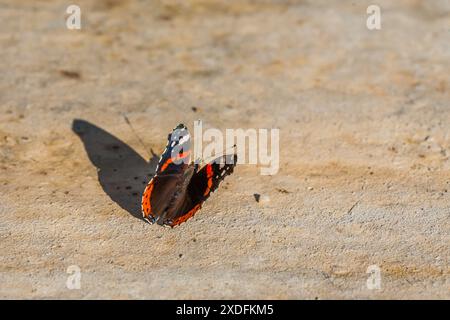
179 187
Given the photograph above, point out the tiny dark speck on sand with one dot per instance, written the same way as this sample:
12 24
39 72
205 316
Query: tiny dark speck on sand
70 74
281 190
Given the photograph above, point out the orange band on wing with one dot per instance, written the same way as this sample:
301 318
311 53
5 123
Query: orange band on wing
146 205
183 218
177 158
209 174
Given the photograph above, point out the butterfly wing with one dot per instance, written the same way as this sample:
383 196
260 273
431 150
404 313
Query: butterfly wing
202 184
176 153
170 173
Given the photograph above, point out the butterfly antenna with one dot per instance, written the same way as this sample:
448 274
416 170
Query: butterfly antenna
137 136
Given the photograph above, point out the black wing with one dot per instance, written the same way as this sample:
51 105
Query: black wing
203 182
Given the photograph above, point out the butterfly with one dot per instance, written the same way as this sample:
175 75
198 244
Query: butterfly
179 187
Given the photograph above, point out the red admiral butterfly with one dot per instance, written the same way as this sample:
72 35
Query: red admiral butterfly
179 188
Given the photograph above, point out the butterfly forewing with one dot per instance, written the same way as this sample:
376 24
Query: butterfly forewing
176 153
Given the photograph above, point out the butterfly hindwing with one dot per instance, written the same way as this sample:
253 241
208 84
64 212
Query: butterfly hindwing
158 195
202 183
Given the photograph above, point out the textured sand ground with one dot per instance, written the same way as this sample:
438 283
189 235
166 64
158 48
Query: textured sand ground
364 143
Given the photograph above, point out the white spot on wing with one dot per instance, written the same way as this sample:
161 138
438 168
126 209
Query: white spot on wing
184 139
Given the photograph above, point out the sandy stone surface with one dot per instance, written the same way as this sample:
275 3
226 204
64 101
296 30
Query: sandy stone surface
364 148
